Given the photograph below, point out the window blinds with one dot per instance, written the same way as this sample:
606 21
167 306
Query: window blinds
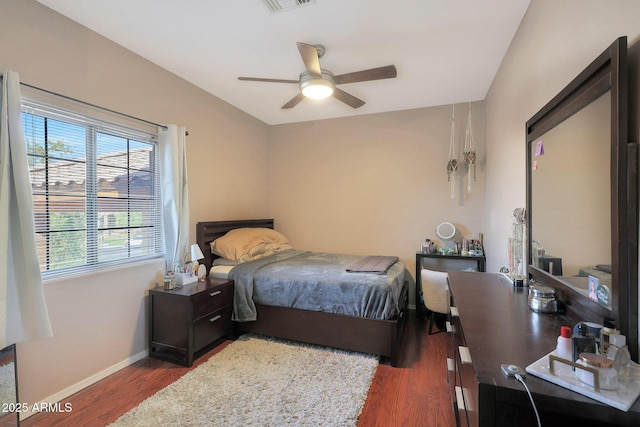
96 190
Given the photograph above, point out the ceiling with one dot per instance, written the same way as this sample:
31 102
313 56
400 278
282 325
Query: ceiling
445 51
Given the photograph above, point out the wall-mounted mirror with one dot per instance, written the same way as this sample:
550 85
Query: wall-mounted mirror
8 388
581 224
570 192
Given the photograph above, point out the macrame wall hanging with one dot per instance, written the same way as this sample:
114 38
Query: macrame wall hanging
469 153
452 165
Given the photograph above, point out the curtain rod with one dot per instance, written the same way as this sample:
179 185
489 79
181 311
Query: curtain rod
93 105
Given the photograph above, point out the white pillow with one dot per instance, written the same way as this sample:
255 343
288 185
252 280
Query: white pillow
224 261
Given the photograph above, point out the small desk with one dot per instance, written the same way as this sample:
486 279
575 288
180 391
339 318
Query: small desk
555 263
481 261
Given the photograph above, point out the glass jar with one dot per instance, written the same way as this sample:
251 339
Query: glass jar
607 375
169 281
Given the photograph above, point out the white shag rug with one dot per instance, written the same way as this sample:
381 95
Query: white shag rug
7 385
262 381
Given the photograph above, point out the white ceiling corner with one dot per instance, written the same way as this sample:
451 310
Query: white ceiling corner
445 51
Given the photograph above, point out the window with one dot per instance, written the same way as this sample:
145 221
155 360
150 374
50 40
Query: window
95 190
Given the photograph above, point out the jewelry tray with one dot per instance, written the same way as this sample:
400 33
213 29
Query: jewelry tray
622 398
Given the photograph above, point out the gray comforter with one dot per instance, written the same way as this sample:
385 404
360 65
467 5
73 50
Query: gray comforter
315 281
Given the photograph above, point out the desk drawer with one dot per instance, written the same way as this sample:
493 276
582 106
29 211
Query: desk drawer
212 300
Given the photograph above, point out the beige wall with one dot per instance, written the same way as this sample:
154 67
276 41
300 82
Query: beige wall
555 41
374 184
99 321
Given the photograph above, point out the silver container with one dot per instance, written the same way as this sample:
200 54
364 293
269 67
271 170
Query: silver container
169 282
542 299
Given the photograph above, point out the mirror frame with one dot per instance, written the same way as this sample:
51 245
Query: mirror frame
608 72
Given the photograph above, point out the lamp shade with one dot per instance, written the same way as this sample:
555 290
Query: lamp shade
196 253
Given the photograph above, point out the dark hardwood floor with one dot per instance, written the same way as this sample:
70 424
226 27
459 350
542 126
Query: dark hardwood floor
414 394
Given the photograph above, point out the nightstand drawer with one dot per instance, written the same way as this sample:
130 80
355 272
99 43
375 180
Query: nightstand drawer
211 328
212 300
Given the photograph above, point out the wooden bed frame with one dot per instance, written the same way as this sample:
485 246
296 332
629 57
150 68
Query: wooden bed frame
380 337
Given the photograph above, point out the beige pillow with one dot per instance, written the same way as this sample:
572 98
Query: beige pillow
262 250
239 242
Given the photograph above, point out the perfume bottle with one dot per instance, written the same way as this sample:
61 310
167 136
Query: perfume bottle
582 342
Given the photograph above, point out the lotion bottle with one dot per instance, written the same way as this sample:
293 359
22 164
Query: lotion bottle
563 349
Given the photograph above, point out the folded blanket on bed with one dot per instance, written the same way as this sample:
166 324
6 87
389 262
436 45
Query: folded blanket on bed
373 264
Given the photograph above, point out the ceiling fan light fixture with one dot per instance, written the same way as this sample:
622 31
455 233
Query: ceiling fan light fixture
317 88
318 83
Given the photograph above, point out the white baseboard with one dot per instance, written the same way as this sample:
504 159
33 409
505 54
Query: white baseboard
63 394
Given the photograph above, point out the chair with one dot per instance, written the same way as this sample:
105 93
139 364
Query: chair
435 291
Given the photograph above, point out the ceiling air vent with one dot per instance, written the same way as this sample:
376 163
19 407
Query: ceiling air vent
276 6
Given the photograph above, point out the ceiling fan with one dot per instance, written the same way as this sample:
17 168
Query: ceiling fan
318 83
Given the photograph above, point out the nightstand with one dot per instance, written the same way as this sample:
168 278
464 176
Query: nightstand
187 322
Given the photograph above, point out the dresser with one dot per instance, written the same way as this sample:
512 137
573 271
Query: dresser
188 321
491 324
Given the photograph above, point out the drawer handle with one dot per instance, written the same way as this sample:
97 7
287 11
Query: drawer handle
454 312
451 364
465 355
213 319
460 399
450 327
213 294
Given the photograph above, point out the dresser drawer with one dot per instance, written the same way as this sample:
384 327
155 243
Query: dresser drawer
211 300
210 328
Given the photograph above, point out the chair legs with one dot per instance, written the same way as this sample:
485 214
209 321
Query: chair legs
432 316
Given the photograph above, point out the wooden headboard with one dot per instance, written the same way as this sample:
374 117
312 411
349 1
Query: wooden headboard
207 232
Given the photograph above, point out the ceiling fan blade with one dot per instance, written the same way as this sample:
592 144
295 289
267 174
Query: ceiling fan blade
348 99
386 72
309 55
258 79
294 101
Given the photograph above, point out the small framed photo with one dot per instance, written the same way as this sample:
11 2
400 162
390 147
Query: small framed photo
593 288
599 292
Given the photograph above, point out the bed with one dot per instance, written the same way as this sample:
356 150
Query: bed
369 331
600 271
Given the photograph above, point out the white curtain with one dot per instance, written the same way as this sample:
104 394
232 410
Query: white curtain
23 311
175 192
